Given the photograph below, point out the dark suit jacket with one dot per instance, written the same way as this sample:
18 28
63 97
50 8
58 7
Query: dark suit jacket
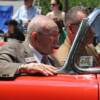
13 55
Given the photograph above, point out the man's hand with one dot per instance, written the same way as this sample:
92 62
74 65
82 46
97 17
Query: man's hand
33 68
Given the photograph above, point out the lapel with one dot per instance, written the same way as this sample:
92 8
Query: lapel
28 53
53 61
29 56
27 49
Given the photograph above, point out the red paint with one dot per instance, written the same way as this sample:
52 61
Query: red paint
60 87
98 77
2 43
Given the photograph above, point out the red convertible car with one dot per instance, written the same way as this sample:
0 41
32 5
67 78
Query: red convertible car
78 79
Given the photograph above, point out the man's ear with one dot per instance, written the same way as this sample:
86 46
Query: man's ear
34 36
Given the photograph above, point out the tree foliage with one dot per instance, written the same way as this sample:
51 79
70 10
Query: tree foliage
45 4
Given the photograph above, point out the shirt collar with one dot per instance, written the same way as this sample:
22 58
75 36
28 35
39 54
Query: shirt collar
36 53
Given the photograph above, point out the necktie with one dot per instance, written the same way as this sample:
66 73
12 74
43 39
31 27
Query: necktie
44 59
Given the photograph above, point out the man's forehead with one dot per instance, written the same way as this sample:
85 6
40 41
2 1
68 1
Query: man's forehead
50 29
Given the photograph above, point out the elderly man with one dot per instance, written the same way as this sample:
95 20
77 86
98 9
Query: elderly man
73 18
27 57
26 12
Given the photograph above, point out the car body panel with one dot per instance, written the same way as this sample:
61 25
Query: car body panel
59 87
98 77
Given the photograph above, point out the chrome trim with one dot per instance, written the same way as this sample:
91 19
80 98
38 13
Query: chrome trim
93 16
79 35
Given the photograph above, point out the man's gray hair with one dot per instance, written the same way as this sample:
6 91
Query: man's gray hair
39 24
33 26
72 13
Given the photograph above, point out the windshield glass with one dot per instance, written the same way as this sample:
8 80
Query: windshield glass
87 54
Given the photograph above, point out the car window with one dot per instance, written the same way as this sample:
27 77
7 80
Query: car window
96 26
86 54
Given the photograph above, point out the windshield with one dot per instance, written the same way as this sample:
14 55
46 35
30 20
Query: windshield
87 54
84 54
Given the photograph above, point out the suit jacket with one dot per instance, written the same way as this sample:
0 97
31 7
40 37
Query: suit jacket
13 55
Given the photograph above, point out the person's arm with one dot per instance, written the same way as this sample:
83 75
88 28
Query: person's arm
33 68
62 52
49 14
16 15
9 66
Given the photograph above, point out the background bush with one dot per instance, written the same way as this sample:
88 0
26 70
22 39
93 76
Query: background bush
45 4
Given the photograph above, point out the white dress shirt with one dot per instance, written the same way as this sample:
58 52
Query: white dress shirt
38 56
25 14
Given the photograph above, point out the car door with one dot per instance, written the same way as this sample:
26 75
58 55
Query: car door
59 87
98 77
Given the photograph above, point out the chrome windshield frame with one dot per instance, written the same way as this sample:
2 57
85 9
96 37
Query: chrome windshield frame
70 57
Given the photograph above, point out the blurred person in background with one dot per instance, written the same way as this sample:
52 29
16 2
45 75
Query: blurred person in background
14 32
26 12
73 20
58 16
56 11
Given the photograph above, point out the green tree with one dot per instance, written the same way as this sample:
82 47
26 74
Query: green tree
45 4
